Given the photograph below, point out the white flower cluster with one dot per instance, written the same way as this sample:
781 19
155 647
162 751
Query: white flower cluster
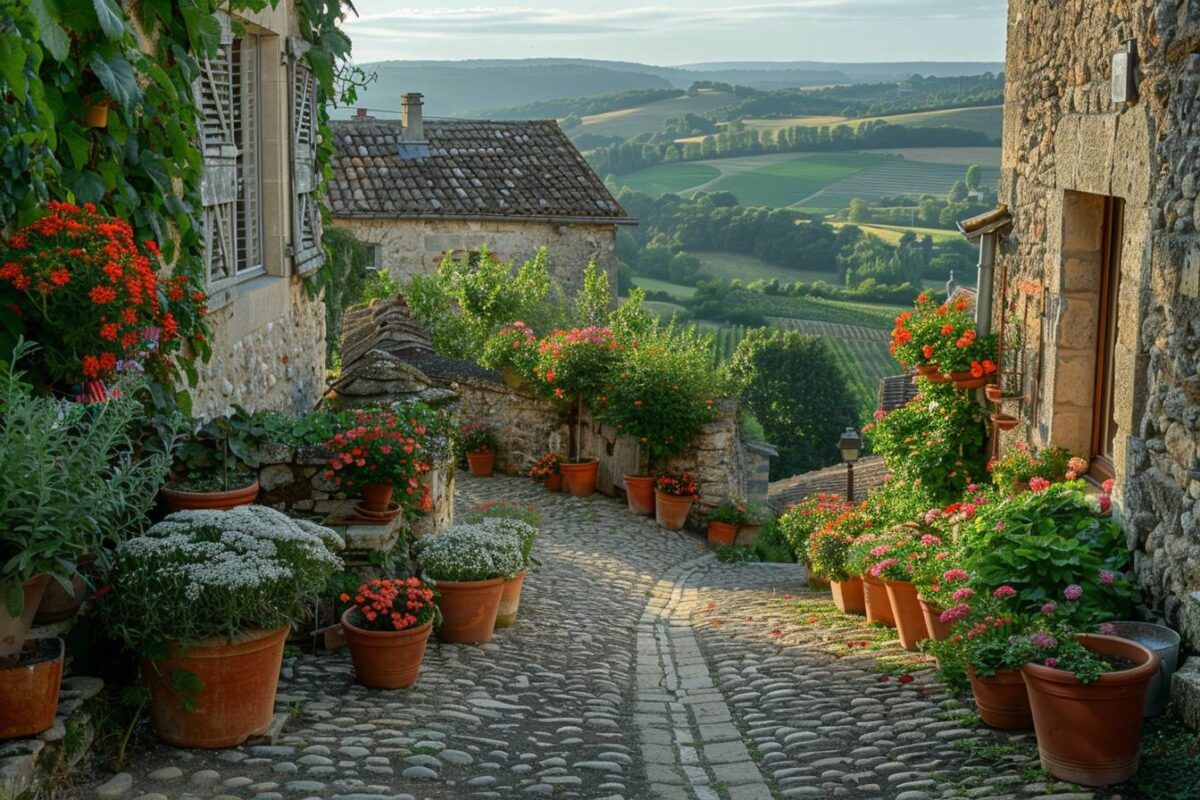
471 553
517 530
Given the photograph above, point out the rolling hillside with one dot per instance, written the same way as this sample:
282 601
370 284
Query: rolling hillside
629 122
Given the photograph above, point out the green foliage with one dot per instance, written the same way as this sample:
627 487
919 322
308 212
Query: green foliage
1013 471
801 520
1170 760
797 389
346 261
771 547
592 302
736 554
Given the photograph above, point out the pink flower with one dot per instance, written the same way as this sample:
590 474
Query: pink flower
1052 663
1038 483
1107 628
1107 486
1077 465
1003 592
955 575
963 593
932 514
1049 608
1000 525
972 487
955 612
1106 578
929 540
1105 503
1073 592
1044 641
879 568
879 413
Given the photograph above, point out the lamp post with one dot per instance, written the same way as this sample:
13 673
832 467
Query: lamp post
850 444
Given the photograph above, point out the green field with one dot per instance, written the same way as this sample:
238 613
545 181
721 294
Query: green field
629 122
986 119
670 178
747 268
894 176
863 351
789 182
654 285
867 315
892 233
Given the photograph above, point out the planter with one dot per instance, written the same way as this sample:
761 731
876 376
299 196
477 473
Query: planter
29 691
386 659
376 497
59 605
938 630
95 116
481 463
554 482
818 583
469 610
178 500
1004 422
580 476
639 493
1090 734
237 701
910 622
1164 642
965 380
671 511
510 600
747 535
720 534
928 370
13 630
848 596
878 604
512 378
937 377
1001 700
994 392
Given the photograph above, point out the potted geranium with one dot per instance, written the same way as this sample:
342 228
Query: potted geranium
994 648
207 599
1013 471
868 550
914 336
724 519
469 565
513 351
826 551
961 354
913 553
478 443
382 456
673 498
386 628
548 471
801 520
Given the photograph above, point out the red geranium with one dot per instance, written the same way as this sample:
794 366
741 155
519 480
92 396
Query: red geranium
382 447
684 485
391 605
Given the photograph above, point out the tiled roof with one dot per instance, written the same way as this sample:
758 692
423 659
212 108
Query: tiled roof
470 168
868 474
895 391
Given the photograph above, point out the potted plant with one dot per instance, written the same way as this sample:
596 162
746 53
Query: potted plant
801 520
724 519
214 467
940 587
513 351
826 552
1013 471
207 599
548 471
383 457
909 552
469 565
387 628
757 515
673 498
961 354
994 647
867 550
478 443
520 523
914 335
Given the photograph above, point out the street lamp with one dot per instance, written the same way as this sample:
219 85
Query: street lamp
850 444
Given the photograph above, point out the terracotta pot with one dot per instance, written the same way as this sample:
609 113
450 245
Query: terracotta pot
937 377
512 378
177 500
910 622
481 463
937 629
469 610
1090 734
928 369
878 604
13 630
1004 422
510 600
639 493
848 596
747 535
376 497
59 605
386 659
554 482
29 695
965 380
993 392
95 116
818 583
237 701
580 477
671 511
721 533
1001 699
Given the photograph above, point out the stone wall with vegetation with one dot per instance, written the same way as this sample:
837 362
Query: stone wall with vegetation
1065 144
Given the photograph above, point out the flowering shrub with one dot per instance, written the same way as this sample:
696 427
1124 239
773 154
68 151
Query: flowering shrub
1016 470
732 510
202 574
469 553
513 346
93 299
514 529
547 465
475 437
384 447
801 520
572 364
1058 647
828 550
684 485
957 346
391 605
503 509
993 635
863 536
915 333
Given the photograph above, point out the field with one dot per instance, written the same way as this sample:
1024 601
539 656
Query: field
790 182
986 119
894 176
892 233
629 122
862 351
676 290
728 266
670 178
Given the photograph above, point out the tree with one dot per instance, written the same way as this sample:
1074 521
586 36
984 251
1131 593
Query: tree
794 385
974 175
860 211
958 192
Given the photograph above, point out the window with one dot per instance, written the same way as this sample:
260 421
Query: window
247 131
374 256
1104 426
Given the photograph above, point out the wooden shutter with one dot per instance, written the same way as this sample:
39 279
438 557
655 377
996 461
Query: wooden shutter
248 226
307 254
218 184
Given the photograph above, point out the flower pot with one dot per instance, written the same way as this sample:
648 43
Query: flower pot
1165 644
386 659
747 535
1004 422
512 378
29 691
481 463
927 370
639 493
937 377
376 497
59 605
237 699
13 630
554 482
178 500
1090 734
848 596
469 610
671 511
580 476
818 583
994 392
910 622
878 604
965 380
510 600
1001 699
720 533
95 116
937 629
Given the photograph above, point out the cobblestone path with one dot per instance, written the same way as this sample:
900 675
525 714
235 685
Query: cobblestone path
639 668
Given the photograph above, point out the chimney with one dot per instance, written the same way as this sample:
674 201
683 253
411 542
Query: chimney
411 118
361 113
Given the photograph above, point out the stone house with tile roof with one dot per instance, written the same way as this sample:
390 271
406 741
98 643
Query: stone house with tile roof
418 189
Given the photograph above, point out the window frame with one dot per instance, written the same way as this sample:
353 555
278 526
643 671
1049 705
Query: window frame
1103 434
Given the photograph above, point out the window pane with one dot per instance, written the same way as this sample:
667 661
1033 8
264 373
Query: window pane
247 132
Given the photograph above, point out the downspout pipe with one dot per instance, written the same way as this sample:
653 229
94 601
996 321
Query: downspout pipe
983 283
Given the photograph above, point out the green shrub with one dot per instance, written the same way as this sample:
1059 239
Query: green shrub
801 520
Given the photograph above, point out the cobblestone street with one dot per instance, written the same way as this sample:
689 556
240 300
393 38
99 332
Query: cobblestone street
640 667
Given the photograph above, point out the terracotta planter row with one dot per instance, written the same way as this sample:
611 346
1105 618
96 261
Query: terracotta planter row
962 379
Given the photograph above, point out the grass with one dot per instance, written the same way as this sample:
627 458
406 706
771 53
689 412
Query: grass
664 311
986 119
670 178
785 183
655 285
747 268
892 233
629 122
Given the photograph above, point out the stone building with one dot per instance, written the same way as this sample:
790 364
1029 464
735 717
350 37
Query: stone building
418 189
1100 270
261 223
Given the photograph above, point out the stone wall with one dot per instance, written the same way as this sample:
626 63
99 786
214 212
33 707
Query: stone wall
268 352
1066 144
416 246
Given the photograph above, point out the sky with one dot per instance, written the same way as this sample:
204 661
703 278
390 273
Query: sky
668 32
